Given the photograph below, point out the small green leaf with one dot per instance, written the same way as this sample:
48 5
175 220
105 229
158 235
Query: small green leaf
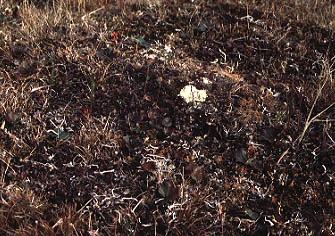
252 214
63 135
92 86
203 27
168 190
16 117
59 133
141 42
164 190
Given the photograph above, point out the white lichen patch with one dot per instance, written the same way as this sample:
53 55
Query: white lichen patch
206 80
192 95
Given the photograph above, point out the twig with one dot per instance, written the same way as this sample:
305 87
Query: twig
282 155
310 119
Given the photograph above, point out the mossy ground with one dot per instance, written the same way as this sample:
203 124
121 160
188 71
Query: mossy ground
95 139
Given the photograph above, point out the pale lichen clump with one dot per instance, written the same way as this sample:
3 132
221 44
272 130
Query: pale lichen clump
192 95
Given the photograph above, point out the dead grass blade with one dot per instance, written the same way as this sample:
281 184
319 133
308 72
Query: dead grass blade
328 78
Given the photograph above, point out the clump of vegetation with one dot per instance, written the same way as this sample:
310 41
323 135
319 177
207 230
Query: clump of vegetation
96 139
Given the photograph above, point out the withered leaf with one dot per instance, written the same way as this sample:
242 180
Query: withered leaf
196 172
167 122
189 168
241 155
268 134
12 117
149 166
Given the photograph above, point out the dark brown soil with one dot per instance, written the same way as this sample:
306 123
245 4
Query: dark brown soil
99 134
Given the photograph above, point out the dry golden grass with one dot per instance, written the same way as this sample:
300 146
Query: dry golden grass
319 12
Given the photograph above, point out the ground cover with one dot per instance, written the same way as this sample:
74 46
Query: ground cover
97 139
